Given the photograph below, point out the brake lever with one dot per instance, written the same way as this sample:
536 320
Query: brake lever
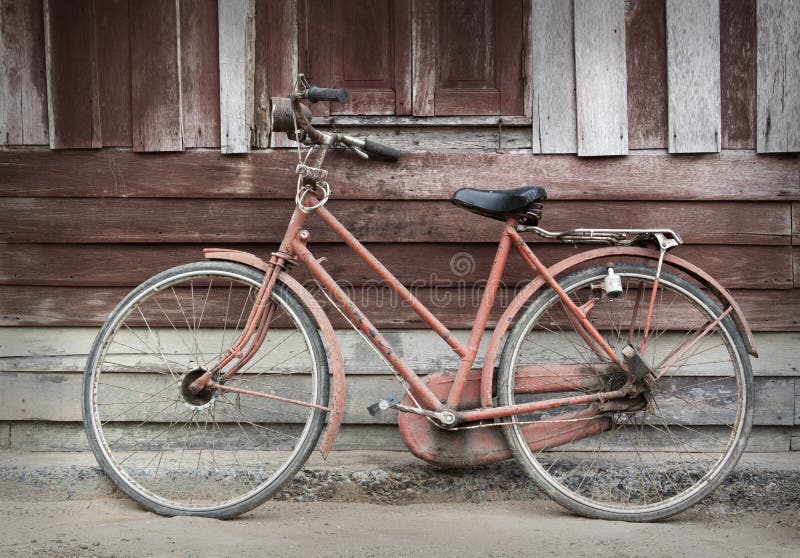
358 151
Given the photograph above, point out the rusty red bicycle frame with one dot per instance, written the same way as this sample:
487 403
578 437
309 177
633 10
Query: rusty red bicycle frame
294 246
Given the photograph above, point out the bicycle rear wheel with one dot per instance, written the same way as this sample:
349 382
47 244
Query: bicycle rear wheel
216 453
651 457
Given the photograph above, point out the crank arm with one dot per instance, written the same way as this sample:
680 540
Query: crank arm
444 418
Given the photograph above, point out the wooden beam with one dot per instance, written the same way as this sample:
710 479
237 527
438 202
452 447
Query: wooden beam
223 221
155 76
23 87
731 176
601 77
236 66
751 267
199 55
737 53
553 77
646 53
778 79
693 73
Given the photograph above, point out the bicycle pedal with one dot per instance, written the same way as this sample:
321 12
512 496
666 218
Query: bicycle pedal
383 405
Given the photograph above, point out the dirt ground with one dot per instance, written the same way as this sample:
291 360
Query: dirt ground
118 527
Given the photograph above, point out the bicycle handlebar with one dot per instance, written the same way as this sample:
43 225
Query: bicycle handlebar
380 150
317 94
302 117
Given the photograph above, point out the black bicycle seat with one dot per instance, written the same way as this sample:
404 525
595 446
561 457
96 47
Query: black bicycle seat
499 204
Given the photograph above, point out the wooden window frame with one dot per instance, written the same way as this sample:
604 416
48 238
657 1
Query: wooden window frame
416 103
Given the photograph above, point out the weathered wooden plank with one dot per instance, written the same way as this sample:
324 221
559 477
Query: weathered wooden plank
199 54
527 58
419 121
23 86
693 75
70 436
204 174
796 401
72 80
112 25
38 349
646 50
56 397
737 53
796 265
402 61
155 76
766 310
428 138
315 35
167 220
795 223
65 349
601 77
751 267
423 77
276 63
236 67
778 76
553 77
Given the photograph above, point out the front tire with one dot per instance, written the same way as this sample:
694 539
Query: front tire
214 454
645 464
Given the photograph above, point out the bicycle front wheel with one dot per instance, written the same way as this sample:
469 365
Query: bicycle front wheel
216 453
634 460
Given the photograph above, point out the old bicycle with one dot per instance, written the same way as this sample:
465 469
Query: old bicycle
618 378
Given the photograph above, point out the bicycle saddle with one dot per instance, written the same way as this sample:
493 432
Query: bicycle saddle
500 204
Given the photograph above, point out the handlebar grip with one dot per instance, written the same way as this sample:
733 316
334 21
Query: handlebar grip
316 94
380 150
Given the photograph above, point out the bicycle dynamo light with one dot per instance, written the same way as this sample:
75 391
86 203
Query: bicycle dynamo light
612 284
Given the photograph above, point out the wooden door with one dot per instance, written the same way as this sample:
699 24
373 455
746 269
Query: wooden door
363 45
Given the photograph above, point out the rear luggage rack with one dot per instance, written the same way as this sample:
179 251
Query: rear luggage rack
665 238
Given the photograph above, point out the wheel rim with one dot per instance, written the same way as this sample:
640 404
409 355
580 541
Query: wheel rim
208 451
641 462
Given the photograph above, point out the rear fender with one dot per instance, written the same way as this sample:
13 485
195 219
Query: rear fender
519 302
329 336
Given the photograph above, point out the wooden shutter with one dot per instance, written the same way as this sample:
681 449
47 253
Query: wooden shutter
363 45
468 57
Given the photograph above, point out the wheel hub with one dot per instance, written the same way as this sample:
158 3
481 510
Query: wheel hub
200 400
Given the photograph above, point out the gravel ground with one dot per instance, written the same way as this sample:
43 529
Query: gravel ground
761 482
62 505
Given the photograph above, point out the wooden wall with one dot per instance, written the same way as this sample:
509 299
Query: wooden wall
87 217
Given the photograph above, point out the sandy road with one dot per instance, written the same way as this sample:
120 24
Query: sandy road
117 527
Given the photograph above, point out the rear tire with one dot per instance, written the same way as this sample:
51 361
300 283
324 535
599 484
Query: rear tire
644 466
215 454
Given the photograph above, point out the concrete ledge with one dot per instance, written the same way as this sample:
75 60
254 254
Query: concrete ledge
762 482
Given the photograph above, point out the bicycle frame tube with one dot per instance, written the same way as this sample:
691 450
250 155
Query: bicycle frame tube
294 245
468 353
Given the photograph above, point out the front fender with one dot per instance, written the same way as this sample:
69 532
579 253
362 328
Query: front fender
507 319
324 324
